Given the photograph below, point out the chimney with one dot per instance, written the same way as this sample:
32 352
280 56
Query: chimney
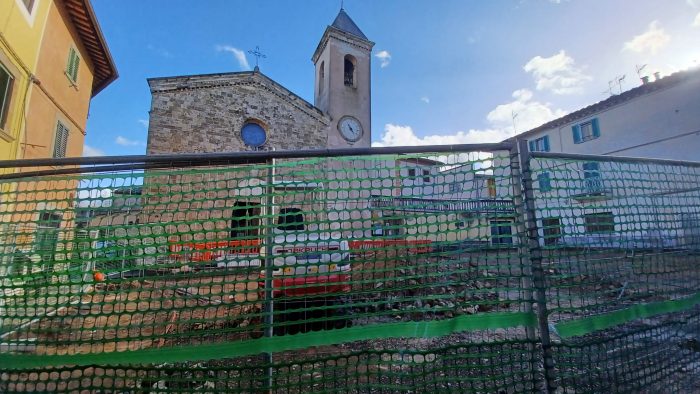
645 80
657 76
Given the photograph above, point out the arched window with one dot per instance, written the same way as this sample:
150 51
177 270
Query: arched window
321 77
350 64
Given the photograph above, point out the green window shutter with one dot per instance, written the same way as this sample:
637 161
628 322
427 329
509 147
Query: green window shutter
61 141
75 68
577 133
596 128
73 64
532 146
546 143
69 66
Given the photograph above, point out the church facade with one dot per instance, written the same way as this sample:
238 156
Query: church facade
243 111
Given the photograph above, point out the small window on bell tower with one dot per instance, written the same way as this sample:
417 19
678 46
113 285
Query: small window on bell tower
350 63
321 77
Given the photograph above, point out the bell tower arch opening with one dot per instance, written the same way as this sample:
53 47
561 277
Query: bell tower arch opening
349 71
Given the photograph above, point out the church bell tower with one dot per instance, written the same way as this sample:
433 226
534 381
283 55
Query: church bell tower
342 90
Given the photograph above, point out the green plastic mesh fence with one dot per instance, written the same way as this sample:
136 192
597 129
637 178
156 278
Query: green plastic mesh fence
375 273
380 273
620 252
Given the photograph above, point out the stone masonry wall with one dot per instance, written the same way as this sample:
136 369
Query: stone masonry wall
205 113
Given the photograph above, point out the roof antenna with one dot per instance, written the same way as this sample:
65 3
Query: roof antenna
341 4
620 79
643 78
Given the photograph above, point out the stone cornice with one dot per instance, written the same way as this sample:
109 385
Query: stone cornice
249 78
343 37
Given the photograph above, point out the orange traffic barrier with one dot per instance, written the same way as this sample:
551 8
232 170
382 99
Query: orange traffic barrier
209 251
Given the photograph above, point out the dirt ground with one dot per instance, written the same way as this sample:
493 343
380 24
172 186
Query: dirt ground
139 314
188 309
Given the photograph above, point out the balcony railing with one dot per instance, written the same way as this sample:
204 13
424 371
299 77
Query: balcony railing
485 206
592 188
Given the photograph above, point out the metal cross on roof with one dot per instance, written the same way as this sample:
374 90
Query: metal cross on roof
256 52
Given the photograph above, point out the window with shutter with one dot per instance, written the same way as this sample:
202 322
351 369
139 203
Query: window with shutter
491 186
540 144
61 141
592 178
586 131
600 222
6 82
73 64
544 182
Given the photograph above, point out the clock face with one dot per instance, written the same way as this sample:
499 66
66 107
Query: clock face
350 128
253 135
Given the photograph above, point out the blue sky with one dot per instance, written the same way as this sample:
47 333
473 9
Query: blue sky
448 71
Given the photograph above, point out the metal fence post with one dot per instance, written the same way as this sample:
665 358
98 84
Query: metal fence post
520 161
269 262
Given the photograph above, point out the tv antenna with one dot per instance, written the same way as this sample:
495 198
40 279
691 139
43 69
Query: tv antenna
620 79
610 88
643 78
514 115
640 69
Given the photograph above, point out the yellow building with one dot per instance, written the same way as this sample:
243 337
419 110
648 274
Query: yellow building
53 60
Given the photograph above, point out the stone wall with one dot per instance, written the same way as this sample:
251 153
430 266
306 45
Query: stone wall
205 113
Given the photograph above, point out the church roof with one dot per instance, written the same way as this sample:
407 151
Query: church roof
345 23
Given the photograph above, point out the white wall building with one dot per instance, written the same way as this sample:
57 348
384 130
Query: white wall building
622 204
659 119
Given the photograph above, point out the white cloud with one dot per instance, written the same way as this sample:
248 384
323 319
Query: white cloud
92 151
398 135
237 53
144 122
384 57
650 41
123 141
693 3
530 114
696 22
557 73
425 99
